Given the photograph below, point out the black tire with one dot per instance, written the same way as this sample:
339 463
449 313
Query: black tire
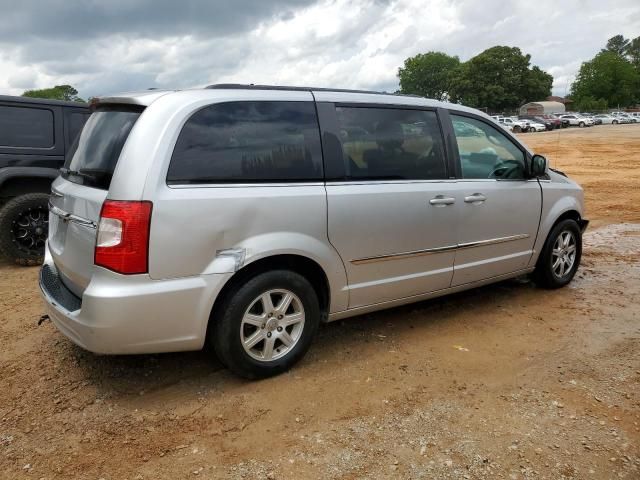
544 274
581 124
615 122
225 334
517 129
24 246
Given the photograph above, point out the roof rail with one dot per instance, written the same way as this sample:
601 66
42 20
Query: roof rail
251 86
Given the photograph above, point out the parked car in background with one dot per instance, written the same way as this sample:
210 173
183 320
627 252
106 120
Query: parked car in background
560 123
578 120
555 121
622 117
606 119
515 125
535 126
225 216
548 124
35 135
596 121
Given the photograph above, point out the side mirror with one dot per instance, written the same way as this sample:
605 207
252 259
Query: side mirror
538 166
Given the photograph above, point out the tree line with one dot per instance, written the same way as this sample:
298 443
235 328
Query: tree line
502 78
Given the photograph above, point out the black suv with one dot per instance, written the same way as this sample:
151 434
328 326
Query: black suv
35 135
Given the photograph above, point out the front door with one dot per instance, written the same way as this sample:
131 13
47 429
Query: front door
498 207
391 213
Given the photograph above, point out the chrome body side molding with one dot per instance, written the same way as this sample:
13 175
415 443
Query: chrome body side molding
429 251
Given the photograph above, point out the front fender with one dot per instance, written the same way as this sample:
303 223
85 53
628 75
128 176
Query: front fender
557 200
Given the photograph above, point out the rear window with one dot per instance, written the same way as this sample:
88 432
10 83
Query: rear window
94 155
26 127
247 142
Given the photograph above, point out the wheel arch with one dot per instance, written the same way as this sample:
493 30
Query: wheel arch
15 181
300 264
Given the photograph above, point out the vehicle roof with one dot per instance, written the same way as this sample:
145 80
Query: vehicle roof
42 101
147 97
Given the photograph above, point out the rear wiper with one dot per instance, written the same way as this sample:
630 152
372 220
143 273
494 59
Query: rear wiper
96 175
77 173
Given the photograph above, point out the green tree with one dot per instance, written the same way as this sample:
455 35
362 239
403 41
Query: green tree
499 78
538 85
428 74
610 77
59 92
591 104
633 52
617 44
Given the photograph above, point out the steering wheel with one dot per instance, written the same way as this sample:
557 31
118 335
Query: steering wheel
504 169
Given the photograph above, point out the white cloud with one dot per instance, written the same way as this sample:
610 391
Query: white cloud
339 43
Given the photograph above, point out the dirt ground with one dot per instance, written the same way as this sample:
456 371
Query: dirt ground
507 381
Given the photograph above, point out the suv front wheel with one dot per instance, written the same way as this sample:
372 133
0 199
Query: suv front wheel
24 223
266 325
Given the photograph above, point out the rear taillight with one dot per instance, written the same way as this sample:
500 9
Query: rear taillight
122 243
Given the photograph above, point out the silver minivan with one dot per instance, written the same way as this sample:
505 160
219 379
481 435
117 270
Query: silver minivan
244 216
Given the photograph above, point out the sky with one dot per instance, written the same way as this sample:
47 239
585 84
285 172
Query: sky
103 47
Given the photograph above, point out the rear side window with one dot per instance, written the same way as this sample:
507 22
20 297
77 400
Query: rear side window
391 144
245 142
26 127
94 155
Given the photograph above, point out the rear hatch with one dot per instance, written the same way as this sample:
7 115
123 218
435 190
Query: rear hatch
78 194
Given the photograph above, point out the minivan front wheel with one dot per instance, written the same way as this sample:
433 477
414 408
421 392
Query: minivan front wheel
24 224
266 325
560 256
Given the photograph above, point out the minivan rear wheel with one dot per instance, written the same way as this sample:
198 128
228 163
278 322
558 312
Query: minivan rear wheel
24 224
266 325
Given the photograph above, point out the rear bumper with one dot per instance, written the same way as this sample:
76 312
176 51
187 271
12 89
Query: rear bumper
129 314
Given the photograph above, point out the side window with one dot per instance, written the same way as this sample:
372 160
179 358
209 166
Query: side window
391 144
485 152
26 127
243 142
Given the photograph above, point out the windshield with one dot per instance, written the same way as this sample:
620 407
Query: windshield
94 155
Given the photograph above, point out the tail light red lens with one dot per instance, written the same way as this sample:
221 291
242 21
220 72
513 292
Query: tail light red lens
122 243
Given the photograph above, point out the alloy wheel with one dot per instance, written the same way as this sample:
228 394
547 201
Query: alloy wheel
29 230
272 325
563 255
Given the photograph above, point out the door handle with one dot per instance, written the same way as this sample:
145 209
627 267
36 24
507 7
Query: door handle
442 201
476 198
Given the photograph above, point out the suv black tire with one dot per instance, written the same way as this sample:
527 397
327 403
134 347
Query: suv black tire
544 274
31 208
225 334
